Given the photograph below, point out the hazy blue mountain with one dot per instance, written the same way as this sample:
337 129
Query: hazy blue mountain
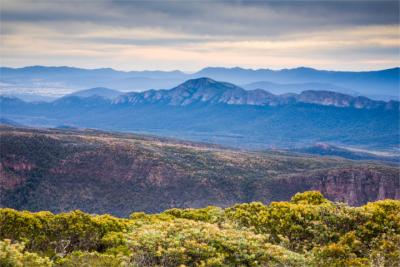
330 150
207 110
381 84
32 97
69 79
201 90
279 88
4 121
98 91
209 91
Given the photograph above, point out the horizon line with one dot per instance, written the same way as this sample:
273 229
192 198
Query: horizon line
199 70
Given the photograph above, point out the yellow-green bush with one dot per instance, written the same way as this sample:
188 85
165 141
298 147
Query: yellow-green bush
58 234
191 243
89 259
209 214
307 231
310 197
14 255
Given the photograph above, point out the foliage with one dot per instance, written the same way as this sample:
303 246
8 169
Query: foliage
307 231
310 197
14 255
209 214
58 234
89 259
191 243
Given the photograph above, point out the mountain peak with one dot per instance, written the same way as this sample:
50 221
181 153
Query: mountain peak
202 81
97 91
206 84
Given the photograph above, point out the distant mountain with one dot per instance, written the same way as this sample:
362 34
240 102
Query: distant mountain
322 149
279 88
8 122
193 91
381 84
99 172
31 97
64 80
98 91
208 91
218 112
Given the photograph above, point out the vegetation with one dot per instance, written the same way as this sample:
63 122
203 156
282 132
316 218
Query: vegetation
99 172
309 230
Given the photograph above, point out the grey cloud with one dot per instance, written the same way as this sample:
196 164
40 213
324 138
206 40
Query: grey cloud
227 18
145 42
90 33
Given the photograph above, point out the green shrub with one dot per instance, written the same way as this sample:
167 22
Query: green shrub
209 214
186 242
14 255
307 231
310 197
58 234
89 259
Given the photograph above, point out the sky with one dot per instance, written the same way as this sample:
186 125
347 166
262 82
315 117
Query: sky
190 35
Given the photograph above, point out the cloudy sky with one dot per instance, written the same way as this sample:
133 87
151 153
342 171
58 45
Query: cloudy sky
189 35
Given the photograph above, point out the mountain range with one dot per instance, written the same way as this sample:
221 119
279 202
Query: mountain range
207 110
58 81
206 90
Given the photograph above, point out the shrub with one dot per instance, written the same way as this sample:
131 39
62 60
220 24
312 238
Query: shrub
308 230
309 197
58 234
186 242
89 259
14 255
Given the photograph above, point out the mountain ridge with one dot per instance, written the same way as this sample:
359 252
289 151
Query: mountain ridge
380 83
223 113
97 91
210 91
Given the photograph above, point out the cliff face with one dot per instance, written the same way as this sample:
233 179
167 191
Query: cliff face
355 185
62 170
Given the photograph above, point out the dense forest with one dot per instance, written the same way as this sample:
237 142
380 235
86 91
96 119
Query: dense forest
308 230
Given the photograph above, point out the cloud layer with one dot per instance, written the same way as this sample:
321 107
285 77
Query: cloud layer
189 35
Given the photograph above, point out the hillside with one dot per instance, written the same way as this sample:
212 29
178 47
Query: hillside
98 172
